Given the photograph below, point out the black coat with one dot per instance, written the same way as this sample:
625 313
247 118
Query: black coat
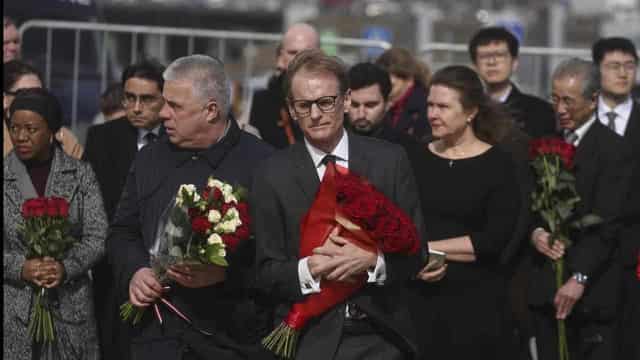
630 235
224 309
266 109
602 175
413 116
110 149
284 189
531 114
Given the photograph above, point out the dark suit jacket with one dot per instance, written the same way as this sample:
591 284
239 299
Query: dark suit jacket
602 175
283 191
224 309
630 235
531 114
110 149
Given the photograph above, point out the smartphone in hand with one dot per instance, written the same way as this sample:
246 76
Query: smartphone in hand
436 259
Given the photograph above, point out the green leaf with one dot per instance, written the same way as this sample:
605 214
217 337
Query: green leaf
587 221
218 260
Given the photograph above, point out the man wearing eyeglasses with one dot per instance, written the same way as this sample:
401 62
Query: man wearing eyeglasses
110 149
494 53
617 59
588 298
374 323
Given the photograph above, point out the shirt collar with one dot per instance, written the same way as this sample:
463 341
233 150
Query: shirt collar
502 99
341 151
623 109
143 132
582 130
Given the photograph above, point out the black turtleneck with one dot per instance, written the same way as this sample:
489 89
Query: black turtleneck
39 173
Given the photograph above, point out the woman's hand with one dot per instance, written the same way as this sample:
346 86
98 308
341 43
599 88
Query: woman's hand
53 272
432 275
32 271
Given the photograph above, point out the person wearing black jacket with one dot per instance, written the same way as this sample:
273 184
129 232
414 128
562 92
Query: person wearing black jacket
494 53
589 297
201 142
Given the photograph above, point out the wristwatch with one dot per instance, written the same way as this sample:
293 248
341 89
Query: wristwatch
580 278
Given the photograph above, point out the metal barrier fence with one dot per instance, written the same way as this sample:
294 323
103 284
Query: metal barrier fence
106 43
535 64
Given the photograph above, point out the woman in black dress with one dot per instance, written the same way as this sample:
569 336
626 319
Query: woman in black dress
470 201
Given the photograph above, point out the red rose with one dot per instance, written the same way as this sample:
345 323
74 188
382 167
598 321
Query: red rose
51 208
243 232
206 192
225 207
231 241
38 207
362 208
350 187
217 194
200 224
243 210
63 207
193 212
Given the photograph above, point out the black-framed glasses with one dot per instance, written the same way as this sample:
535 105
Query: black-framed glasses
325 104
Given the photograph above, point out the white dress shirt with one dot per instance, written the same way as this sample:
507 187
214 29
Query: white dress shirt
582 130
309 285
623 110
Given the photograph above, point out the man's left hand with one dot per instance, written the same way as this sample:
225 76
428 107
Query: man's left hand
566 298
347 260
196 275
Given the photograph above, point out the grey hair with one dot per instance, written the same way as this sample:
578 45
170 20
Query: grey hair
208 77
586 70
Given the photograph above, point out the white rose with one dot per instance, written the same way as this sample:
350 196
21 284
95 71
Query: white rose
190 189
227 227
214 216
214 239
232 214
213 183
230 198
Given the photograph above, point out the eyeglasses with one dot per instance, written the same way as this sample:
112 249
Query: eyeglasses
325 104
616 66
496 56
145 100
568 102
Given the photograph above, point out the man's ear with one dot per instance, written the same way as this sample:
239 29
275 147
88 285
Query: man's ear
213 110
594 100
514 65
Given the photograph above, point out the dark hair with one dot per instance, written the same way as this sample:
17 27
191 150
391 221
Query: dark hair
14 70
146 69
493 34
7 21
606 45
316 61
401 63
367 74
492 123
42 102
111 99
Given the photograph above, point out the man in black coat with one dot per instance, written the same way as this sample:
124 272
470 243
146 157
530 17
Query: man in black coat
370 87
269 113
588 299
110 149
494 53
374 323
617 60
201 142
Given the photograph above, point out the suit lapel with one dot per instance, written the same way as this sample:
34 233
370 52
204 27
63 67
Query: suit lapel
586 162
304 171
632 132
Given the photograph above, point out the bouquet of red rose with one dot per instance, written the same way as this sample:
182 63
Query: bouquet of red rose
45 232
198 228
365 216
555 199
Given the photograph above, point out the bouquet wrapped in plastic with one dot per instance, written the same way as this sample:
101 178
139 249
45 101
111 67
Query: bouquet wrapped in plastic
198 228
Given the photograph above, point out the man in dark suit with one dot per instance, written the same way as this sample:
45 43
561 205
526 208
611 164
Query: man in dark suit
589 297
494 53
617 60
110 149
374 323
201 141
268 110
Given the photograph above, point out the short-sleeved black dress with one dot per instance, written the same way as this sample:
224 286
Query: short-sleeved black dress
462 315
